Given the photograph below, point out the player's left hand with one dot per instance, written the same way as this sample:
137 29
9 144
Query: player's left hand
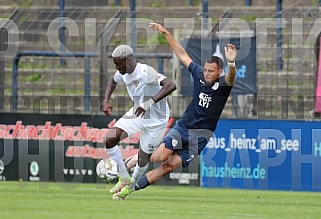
140 111
143 107
230 53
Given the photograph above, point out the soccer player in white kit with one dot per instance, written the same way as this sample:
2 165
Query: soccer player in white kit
149 115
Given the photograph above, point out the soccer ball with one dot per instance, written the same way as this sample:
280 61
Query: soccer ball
107 169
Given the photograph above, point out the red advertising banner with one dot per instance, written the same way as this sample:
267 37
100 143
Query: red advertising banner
65 148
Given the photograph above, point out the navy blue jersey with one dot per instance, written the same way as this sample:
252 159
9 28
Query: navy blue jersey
208 101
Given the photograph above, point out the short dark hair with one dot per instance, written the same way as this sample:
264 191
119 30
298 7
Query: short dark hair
217 60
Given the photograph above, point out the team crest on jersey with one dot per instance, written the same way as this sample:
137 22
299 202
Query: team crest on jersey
136 82
174 142
215 86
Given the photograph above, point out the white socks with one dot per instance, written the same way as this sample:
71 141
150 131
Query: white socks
115 154
138 172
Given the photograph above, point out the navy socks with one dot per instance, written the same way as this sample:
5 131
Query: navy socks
142 183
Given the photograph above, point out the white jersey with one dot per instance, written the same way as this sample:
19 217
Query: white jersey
143 84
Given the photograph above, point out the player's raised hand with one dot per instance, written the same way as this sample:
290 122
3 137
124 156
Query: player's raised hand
157 27
230 52
107 108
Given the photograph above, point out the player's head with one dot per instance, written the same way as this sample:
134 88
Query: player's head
124 60
213 68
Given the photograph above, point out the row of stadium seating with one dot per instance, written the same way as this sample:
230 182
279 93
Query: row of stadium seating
296 78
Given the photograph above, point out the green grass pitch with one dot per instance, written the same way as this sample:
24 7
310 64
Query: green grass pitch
53 200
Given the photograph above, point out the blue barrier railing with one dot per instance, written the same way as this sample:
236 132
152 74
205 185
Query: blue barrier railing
159 56
86 55
118 2
279 34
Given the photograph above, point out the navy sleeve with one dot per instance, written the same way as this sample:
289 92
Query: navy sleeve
223 82
195 69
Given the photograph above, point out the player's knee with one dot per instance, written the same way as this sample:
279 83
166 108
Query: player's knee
156 158
167 168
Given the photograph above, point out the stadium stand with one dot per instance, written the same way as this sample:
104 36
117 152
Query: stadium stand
39 76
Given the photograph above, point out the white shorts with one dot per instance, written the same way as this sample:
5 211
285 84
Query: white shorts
150 136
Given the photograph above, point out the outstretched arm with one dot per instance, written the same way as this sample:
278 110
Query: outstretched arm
107 107
167 87
176 47
230 55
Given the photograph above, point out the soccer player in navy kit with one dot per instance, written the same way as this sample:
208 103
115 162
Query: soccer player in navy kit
191 133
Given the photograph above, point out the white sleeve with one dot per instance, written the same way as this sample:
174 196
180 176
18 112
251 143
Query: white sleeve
118 78
153 76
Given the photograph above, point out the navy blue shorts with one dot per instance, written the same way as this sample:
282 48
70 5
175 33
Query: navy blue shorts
187 144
